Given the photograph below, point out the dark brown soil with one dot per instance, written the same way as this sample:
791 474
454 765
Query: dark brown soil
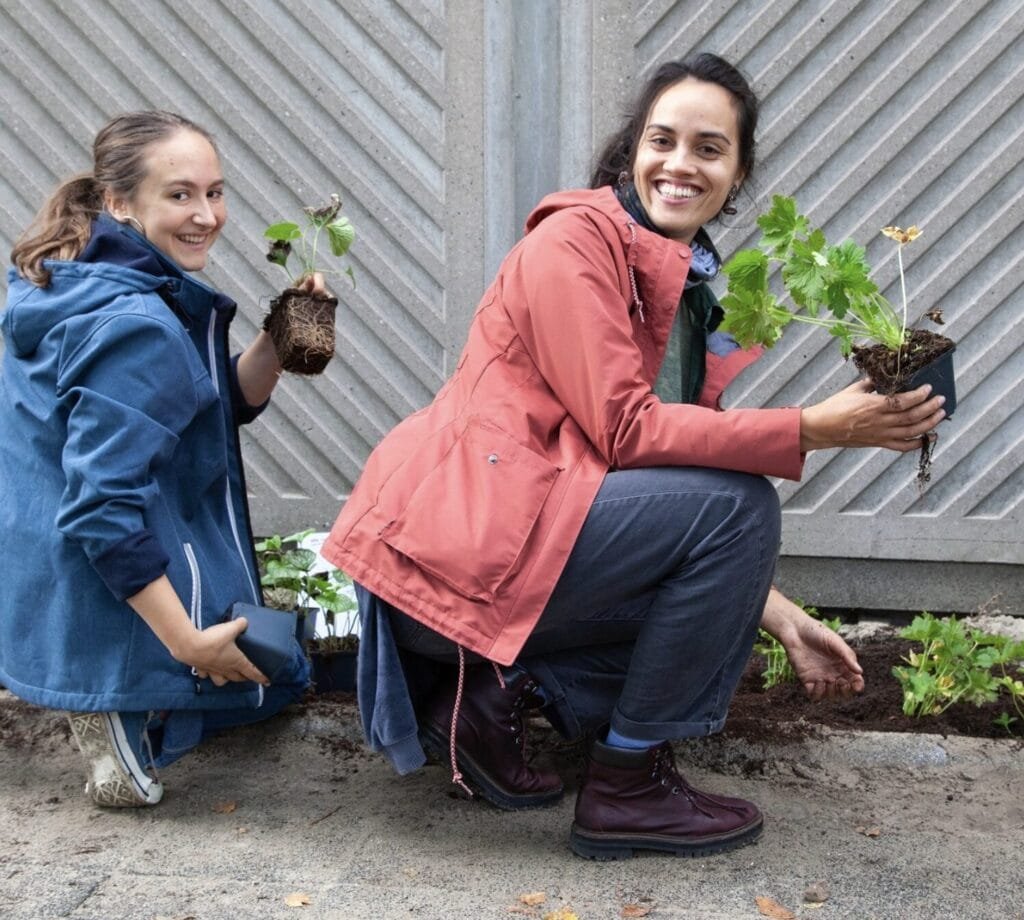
890 371
302 327
785 711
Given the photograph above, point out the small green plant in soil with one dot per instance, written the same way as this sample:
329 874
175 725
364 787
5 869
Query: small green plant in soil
289 583
958 665
777 669
301 324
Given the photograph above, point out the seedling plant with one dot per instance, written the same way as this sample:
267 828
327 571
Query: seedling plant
301 324
959 665
288 239
290 582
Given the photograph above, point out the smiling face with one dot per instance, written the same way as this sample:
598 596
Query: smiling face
688 157
180 203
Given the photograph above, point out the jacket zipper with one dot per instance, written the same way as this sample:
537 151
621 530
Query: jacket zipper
630 263
214 376
196 601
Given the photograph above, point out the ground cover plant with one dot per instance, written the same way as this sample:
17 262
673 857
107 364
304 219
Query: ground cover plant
955 664
949 655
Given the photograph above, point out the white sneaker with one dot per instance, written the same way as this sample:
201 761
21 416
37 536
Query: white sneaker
114 744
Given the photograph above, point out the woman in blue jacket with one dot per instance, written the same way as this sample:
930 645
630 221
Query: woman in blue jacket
120 473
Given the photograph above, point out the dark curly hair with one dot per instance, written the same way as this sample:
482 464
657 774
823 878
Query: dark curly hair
618 154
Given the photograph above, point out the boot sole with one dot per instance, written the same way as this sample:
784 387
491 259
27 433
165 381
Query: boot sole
609 846
437 745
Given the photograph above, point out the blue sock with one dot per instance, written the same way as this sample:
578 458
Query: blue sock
614 739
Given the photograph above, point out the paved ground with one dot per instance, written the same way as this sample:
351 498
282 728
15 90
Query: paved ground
895 827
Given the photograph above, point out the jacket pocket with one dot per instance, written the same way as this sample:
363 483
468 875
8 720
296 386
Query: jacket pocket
469 519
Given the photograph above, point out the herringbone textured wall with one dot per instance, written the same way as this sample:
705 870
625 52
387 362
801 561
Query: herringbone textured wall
441 124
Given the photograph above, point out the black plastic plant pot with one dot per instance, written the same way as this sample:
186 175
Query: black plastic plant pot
940 375
334 670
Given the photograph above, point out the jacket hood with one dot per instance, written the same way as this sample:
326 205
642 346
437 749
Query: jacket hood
117 261
602 200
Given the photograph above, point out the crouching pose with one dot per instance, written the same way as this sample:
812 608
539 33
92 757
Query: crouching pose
573 525
120 473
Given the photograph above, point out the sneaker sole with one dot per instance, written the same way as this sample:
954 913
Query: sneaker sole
611 846
437 745
113 783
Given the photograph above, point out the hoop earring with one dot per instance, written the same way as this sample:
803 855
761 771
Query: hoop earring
730 207
135 223
624 178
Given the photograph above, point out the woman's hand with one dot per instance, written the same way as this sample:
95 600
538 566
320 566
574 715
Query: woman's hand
825 665
859 417
313 284
213 653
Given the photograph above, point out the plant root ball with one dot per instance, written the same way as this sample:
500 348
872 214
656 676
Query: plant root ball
302 329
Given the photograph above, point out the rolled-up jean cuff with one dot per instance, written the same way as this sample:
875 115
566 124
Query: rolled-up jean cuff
659 731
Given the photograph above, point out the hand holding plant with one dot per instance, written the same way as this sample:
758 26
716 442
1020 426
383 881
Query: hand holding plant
301 324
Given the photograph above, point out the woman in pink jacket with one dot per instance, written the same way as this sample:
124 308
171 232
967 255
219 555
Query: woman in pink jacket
572 524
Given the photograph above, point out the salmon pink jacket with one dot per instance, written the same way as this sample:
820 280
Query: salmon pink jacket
466 512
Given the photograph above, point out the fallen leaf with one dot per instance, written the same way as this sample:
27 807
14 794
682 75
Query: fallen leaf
241 830
873 831
774 909
533 898
297 899
225 808
563 913
635 910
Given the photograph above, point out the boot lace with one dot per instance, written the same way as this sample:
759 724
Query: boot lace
665 772
524 700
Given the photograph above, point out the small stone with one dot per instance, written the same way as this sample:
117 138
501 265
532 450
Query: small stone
816 893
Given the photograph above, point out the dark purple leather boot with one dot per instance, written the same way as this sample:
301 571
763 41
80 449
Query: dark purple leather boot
490 740
636 800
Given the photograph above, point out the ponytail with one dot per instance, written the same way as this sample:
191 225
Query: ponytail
61 229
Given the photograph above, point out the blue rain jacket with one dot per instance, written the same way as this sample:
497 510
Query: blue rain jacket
119 462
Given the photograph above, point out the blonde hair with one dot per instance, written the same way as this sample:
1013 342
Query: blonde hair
63 225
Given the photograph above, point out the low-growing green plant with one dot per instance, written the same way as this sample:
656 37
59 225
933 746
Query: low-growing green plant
289 582
288 239
959 665
820 278
777 669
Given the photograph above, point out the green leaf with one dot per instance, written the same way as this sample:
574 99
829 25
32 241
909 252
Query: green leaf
285 231
341 234
754 318
780 225
805 274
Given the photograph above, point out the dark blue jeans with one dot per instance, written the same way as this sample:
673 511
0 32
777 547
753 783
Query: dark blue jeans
655 614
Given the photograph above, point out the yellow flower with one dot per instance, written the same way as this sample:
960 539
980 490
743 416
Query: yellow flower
902 236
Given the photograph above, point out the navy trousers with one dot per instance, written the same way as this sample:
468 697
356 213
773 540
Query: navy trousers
655 614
